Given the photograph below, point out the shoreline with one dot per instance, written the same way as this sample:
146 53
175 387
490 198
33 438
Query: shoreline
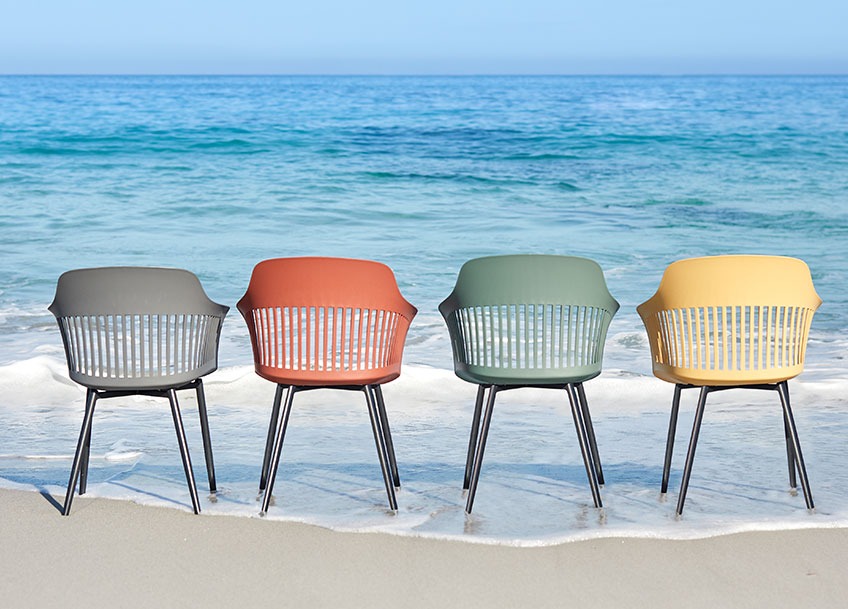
112 553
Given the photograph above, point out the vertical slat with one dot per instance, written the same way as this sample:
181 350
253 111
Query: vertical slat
364 334
193 341
594 342
149 364
169 339
268 336
124 343
500 338
340 329
73 330
287 316
475 343
524 338
769 346
749 335
308 312
325 332
379 337
668 319
556 342
793 354
700 349
260 342
783 340
675 337
352 345
133 340
690 339
805 331
390 320
334 345
510 334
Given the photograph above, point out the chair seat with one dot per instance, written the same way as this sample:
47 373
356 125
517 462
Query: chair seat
720 378
528 378
307 378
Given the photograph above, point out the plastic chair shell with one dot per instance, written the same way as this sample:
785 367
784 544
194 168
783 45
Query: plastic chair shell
730 320
318 321
528 319
136 328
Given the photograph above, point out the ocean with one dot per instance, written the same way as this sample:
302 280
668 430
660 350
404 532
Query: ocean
214 174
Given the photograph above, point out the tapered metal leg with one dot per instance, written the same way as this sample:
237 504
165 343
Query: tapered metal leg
783 390
790 453
590 432
269 442
274 463
693 443
582 438
90 399
86 453
207 439
669 443
381 448
181 439
472 441
481 448
387 433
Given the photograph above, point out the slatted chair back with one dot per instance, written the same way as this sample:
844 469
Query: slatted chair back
731 320
136 328
529 319
326 321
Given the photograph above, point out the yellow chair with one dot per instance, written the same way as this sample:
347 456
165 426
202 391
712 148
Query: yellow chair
725 322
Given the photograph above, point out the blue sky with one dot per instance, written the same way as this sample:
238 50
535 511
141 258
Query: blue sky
424 37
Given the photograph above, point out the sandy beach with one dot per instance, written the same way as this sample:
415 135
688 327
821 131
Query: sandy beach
119 554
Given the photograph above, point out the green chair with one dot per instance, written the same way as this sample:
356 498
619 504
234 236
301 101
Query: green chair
529 321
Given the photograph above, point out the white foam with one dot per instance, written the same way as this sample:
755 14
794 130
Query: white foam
533 488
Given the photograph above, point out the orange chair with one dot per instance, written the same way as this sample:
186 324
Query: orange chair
326 323
723 322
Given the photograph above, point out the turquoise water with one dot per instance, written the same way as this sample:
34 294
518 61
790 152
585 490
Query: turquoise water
214 174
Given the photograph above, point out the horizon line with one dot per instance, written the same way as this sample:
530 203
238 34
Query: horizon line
431 74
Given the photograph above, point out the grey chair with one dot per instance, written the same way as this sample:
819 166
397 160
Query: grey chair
138 331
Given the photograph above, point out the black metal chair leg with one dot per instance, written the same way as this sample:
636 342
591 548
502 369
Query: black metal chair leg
269 442
790 453
90 399
669 443
85 458
590 432
274 463
582 438
207 439
382 450
783 390
693 443
387 434
181 439
481 448
472 441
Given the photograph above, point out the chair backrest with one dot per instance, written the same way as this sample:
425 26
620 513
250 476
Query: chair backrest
324 321
726 320
528 319
136 328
